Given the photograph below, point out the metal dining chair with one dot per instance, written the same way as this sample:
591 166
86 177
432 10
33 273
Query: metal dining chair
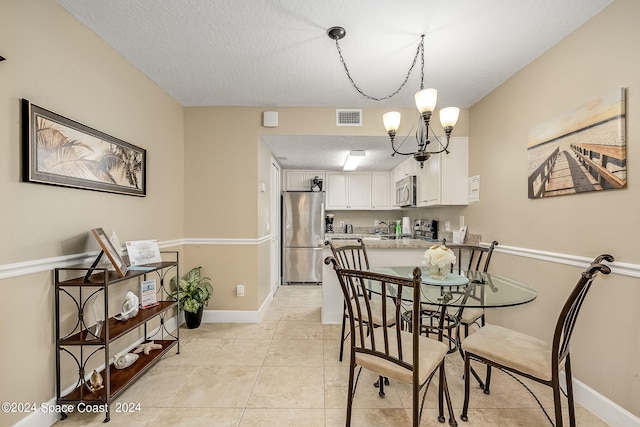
391 351
530 357
472 258
447 325
355 257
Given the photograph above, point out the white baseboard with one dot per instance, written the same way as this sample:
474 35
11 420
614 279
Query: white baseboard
603 408
237 316
39 418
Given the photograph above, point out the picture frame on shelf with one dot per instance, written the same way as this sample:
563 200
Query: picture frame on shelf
142 252
110 251
60 151
148 293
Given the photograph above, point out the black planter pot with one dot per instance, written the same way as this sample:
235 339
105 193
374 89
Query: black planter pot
193 320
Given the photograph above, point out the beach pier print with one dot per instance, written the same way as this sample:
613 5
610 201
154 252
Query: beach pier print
580 151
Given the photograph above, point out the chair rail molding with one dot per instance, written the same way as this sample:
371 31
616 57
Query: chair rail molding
226 241
620 268
24 268
47 264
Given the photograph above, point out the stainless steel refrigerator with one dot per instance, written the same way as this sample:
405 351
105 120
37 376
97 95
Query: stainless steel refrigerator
302 232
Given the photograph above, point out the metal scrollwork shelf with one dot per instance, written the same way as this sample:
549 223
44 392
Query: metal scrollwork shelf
79 345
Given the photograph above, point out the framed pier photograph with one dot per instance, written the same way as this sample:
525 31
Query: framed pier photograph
580 151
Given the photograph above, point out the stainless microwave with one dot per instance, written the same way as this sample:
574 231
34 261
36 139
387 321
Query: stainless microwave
406 192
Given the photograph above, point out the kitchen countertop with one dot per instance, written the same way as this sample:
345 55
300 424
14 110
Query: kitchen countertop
373 241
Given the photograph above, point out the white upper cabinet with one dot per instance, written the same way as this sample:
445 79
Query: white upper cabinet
300 180
381 191
408 167
445 177
337 196
444 180
348 190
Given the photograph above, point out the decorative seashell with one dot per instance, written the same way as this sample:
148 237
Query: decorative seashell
130 307
125 360
147 347
95 381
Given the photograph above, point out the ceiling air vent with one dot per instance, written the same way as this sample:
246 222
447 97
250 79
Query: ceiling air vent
348 117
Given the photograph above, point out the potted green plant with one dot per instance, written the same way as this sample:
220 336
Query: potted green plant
193 294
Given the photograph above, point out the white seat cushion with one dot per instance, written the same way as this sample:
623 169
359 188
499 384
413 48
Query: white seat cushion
432 352
511 349
471 314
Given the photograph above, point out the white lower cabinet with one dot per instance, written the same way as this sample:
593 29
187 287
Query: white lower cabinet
381 195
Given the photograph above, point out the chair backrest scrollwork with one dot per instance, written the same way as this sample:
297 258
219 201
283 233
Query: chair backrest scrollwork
350 256
571 308
472 257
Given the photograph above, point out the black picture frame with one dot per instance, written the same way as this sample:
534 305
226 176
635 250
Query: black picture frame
63 152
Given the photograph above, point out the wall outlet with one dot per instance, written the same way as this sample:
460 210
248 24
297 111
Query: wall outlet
376 223
240 290
341 224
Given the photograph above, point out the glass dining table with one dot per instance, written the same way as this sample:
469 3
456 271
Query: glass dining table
467 289
444 300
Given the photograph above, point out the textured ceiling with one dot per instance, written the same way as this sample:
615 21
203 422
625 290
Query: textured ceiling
330 152
276 53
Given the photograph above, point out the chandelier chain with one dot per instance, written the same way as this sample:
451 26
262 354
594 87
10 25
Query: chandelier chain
421 48
419 51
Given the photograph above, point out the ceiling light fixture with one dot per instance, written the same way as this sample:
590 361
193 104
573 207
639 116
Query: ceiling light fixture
425 102
353 160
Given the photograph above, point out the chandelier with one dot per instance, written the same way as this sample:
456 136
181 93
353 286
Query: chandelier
425 102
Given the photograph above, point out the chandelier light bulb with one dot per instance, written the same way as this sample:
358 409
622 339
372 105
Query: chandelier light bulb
449 116
391 121
426 100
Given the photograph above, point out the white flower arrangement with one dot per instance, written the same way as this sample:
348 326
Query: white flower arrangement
439 255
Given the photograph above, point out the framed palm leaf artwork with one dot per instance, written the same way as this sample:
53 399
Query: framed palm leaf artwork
60 151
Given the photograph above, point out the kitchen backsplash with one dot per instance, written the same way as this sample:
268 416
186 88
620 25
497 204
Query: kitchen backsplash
363 218
470 238
363 222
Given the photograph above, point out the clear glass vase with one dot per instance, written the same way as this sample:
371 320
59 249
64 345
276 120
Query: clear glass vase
440 273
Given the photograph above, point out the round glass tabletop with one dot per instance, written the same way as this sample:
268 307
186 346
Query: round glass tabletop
468 289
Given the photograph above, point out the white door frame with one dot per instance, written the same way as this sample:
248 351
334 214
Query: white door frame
275 218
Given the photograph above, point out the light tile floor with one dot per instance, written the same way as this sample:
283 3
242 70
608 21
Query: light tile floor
285 372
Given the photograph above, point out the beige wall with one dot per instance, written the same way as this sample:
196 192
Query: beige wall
57 63
596 58
228 265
